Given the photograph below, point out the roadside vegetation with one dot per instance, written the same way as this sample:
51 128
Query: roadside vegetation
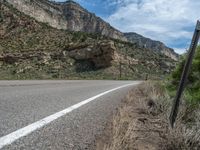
142 121
192 92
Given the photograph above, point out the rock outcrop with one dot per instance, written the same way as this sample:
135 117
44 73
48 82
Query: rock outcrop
100 54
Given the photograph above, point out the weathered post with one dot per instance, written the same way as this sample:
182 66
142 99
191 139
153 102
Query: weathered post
146 76
185 73
120 69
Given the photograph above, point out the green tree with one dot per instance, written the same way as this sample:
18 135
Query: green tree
192 91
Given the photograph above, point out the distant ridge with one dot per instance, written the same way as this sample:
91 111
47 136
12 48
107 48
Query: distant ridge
151 44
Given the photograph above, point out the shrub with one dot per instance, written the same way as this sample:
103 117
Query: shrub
193 84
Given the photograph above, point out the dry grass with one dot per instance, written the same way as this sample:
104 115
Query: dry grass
142 124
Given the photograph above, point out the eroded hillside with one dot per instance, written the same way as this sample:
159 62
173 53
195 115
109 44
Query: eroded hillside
33 50
71 16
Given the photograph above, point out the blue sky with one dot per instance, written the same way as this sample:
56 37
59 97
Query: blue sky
169 21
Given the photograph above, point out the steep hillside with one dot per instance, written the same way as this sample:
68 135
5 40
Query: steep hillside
71 16
33 50
151 44
66 15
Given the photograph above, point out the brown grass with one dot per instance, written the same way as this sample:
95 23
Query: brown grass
142 124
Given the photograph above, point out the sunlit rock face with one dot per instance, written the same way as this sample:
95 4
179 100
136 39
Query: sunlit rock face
66 15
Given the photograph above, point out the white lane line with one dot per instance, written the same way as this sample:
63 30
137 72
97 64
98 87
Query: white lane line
12 137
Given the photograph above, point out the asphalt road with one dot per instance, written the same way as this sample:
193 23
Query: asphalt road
24 103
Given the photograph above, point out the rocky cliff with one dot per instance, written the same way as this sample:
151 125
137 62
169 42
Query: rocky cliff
151 44
66 15
71 16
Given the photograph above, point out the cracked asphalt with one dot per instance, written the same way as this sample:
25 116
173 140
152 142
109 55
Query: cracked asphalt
25 102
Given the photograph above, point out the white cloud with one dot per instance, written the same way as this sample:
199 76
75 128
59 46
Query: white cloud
180 50
164 20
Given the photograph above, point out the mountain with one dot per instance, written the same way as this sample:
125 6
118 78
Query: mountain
30 49
66 15
151 44
71 16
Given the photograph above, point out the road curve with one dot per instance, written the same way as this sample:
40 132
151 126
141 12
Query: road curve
65 114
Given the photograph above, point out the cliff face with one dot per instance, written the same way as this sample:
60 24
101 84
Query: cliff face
42 11
71 16
67 15
79 19
151 44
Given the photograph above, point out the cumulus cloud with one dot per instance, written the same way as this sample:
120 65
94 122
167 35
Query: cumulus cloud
164 20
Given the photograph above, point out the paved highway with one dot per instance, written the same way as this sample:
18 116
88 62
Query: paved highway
57 114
